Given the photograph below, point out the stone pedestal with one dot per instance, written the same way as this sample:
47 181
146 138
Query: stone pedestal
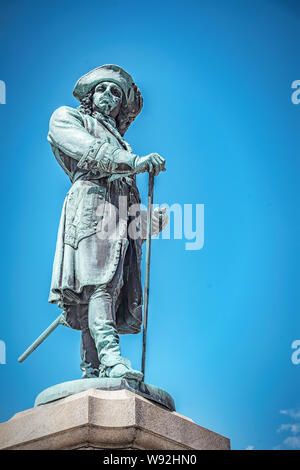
100 419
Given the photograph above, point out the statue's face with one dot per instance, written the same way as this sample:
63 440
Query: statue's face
107 98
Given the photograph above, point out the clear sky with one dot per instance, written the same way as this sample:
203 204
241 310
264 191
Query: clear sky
216 79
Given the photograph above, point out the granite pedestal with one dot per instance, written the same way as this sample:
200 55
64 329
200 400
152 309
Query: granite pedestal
105 419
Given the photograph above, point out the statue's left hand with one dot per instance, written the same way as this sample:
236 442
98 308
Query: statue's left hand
160 220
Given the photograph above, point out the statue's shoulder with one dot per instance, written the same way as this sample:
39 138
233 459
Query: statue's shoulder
66 113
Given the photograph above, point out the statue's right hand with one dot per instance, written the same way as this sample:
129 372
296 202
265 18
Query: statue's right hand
153 163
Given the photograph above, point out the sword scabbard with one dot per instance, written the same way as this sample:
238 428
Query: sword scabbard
41 338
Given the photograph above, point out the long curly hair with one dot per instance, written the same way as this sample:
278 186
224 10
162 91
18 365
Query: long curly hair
86 104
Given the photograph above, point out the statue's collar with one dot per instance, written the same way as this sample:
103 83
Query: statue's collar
110 124
106 119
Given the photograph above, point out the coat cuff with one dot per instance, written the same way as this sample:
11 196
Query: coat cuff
107 158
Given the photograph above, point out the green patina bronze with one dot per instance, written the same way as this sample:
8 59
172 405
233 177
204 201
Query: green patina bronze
96 276
63 390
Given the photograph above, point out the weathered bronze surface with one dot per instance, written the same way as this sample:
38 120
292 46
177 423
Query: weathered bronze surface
96 273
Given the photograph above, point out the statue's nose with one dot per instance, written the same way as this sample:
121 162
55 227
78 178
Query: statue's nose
107 91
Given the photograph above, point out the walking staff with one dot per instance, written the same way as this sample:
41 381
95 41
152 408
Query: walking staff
147 275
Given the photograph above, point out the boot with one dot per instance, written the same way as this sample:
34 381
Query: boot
123 369
106 339
89 357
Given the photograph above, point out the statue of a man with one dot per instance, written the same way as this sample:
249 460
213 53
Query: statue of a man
96 278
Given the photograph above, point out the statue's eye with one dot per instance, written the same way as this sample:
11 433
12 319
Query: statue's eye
102 88
115 92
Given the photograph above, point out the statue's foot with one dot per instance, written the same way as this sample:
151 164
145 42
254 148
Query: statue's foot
121 370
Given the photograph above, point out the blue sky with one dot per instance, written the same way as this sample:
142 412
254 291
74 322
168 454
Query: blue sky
216 79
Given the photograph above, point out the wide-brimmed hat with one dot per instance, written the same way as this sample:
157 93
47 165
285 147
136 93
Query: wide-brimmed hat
132 99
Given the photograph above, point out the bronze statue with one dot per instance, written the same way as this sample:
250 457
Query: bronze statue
96 273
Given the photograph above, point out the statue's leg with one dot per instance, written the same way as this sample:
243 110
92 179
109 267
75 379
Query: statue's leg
103 330
89 355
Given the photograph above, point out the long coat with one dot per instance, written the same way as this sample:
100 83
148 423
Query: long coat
99 164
